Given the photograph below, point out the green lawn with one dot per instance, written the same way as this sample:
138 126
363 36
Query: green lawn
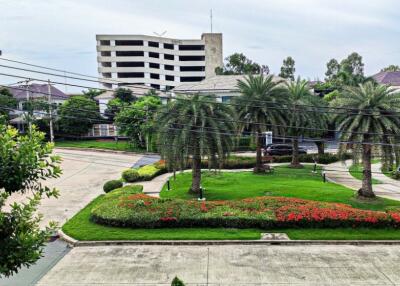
101 144
285 182
79 227
356 171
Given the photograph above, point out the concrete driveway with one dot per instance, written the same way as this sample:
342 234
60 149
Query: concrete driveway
228 265
84 173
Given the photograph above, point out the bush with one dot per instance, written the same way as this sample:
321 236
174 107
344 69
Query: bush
326 158
142 211
148 172
177 282
395 175
130 175
112 185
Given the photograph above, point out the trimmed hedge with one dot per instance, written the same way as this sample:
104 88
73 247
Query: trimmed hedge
142 211
144 173
112 185
130 175
326 158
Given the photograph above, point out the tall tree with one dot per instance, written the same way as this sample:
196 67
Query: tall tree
332 69
7 102
257 108
25 162
77 115
136 121
124 94
194 127
288 69
91 93
238 63
391 68
371 120
302 105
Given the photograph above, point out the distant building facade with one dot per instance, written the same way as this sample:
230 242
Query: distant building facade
157 62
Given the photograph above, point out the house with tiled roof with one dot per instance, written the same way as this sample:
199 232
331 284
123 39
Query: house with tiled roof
391 78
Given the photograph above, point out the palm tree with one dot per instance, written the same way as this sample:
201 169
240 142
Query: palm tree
302 112
258 107
192 127
369 120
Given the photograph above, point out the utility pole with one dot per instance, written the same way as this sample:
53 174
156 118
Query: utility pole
28 106
50 112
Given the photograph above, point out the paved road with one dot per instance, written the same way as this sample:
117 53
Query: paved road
84 173
338 173
227 265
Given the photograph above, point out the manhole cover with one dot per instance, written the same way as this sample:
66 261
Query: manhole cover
274 236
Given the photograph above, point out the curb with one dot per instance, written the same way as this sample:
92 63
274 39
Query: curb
76 243
106 151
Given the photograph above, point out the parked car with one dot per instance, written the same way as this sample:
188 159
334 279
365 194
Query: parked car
281 149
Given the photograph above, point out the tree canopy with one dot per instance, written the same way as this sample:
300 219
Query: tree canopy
25 162
391 68
288 69
238 63
77 115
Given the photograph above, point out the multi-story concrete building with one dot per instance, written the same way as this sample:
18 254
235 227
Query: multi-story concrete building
157 62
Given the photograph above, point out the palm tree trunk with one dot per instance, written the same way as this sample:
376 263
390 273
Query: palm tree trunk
320 147
196 171
259 166
295 155
366 189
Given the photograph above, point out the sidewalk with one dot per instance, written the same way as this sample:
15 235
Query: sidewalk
339 173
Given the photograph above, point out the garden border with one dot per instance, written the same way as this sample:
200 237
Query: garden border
105 151
88 243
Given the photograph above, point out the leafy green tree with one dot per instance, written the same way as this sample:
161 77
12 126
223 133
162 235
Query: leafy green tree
91 93
288 69
137 120
259 106
125 95
192 127
353 65
303 105
238 63
391 68
7 102
25 162
371 120
113 107
332 69
77 115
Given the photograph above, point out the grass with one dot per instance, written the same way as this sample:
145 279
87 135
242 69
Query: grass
285 182
80 227
101 144
356 171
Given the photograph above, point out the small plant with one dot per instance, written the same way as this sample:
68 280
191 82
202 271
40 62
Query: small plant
112 185
130 175
177 282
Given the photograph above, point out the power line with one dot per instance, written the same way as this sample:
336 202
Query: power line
233 120
187 92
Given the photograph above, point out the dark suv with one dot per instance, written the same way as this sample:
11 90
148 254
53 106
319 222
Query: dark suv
281 149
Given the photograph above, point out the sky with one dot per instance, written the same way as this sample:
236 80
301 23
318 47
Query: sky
61 33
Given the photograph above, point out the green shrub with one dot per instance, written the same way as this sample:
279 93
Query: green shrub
148 172
177 282
112 185
395 175
130 175
127 190
326 158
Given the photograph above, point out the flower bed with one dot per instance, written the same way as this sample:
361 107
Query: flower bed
141 211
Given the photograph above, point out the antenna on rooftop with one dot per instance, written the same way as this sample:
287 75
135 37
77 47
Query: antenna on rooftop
211 20
160 34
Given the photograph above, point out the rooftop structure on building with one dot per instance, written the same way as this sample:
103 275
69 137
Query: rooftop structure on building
391 78
158 62
36 91
224 87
